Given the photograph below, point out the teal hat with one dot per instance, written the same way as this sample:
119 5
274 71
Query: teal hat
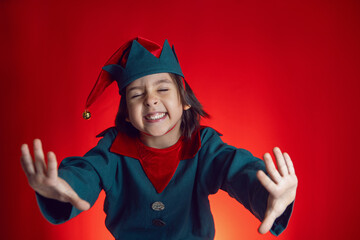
140 62
134 59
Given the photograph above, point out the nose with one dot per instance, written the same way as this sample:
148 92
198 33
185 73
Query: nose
151 100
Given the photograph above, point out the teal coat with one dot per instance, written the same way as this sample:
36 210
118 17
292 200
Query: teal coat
183 211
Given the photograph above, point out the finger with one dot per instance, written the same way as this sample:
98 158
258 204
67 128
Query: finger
38 152
40 165
52 171
289 163
26 160
76 201
282 168
268 184
80 204
270 168
69 195
267 223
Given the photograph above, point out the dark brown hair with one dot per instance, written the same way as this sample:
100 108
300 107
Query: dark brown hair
190 120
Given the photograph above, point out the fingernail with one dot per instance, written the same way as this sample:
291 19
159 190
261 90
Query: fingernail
23 147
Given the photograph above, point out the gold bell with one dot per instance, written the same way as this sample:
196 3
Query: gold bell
86 115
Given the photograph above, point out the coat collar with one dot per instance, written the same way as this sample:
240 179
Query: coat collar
127 146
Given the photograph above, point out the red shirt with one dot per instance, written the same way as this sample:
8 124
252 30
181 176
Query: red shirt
159 165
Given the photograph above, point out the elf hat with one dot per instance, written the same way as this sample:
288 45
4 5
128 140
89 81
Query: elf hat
134 59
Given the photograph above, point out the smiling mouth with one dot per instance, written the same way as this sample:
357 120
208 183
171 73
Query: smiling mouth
155 116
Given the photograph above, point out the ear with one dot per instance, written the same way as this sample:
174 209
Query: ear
187 107
127 119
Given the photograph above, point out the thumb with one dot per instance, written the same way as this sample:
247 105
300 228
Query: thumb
73 198
80 204
267 223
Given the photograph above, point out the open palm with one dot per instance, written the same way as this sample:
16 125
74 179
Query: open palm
44 179
281 185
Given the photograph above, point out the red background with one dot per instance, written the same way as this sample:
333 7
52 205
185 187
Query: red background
271 73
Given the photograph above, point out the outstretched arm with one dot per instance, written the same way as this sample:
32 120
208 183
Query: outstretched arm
281 185
44 179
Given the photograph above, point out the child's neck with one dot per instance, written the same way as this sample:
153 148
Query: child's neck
164 141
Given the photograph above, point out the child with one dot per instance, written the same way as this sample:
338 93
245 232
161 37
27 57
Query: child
158 165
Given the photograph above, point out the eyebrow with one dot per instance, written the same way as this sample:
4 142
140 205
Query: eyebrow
165 80
158 82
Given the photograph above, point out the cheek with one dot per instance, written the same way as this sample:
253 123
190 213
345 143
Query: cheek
177 109
133 111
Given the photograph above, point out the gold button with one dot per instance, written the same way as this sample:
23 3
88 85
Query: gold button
158 206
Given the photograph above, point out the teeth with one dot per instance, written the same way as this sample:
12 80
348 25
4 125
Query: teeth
155 116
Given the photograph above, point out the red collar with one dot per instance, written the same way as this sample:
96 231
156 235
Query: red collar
159 165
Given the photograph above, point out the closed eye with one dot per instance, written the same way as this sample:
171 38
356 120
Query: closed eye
163 90
136 95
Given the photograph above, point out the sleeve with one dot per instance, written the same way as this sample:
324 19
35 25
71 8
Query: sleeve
234 171
87 175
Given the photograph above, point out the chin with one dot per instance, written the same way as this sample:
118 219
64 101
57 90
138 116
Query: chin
157 133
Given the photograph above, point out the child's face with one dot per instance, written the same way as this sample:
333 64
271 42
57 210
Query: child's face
154 105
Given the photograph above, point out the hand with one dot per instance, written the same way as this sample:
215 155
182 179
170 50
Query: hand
281 186
44 179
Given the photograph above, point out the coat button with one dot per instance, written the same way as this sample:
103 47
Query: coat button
158 206
158 222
